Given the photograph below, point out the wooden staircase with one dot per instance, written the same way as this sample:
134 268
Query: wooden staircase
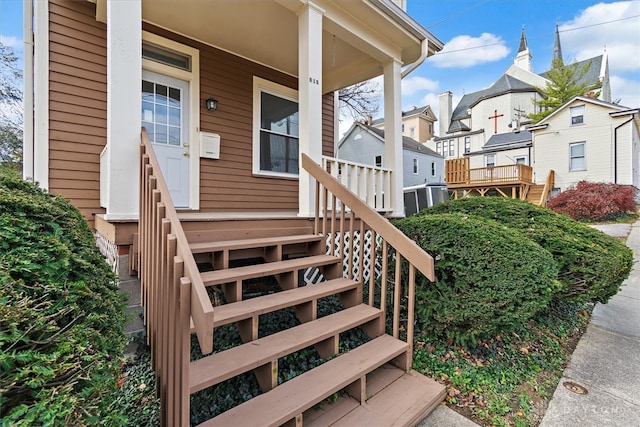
374 379
535 193
285 257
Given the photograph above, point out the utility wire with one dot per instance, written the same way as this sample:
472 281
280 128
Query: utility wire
528 37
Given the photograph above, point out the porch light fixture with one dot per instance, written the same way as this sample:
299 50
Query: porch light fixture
212 104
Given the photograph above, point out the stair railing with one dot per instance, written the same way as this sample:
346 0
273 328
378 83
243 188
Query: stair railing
172 290
548 186
337 209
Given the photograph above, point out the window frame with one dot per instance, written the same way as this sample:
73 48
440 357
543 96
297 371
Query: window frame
584 156
259 86
433 169
467 144
522 156
486 163
379 163
415 166
452 148
582 109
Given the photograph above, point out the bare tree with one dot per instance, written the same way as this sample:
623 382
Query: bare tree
360 101
11 107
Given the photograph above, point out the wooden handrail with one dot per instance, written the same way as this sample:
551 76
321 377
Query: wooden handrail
405 246
548 186
201 307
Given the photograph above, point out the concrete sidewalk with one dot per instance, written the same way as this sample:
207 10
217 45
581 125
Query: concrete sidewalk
606 361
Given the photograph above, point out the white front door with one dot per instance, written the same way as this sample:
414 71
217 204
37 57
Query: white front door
165 115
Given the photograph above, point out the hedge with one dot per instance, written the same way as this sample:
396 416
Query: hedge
592 264
595 201
61 315
488 280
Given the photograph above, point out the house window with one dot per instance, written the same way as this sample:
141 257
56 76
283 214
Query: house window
378 161
403 128
439 147
415 166
521 160
577 115
276 123
430 128
577 159
467 144
489 160
433 168
412 132
452 148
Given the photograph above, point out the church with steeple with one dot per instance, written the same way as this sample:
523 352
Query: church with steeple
489 126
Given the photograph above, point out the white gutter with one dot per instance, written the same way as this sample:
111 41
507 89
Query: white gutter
424 52
27 97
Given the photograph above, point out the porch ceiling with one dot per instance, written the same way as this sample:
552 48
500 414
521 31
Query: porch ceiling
358 37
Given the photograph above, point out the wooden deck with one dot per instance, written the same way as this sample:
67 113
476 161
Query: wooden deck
514 181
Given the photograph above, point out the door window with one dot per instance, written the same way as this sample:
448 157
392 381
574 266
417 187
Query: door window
162 113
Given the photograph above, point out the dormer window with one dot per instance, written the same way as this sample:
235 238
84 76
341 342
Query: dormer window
577 115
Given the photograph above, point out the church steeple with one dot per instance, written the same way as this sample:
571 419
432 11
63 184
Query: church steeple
557 50
523 41
523 57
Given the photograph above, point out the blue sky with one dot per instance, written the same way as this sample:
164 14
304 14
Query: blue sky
484 37
465 25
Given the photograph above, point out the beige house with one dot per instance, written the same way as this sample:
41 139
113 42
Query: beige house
196 139
588 139
417 123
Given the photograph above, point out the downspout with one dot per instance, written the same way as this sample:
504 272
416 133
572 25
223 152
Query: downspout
27 97
424 52
615 149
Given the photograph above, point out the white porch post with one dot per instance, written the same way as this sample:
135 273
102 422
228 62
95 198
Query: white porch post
124 73
393 135
309 99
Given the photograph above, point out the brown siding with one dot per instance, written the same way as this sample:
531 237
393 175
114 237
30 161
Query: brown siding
77 103
77 135
227 184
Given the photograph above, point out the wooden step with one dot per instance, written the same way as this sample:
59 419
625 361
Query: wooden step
399 399
203 247
217 277
221 366
292 398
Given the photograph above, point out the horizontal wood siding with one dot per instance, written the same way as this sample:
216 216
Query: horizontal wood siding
77 103
228 184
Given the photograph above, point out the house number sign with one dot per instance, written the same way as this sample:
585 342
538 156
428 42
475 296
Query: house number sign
314 81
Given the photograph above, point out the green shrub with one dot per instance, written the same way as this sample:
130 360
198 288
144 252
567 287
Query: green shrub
592 264
488 279
61 316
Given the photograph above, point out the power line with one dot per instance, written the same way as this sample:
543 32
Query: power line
528 37
448 18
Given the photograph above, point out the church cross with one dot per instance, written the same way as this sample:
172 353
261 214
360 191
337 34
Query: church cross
495 120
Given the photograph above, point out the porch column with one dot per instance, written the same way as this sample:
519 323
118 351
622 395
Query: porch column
124 74
309 99
393 135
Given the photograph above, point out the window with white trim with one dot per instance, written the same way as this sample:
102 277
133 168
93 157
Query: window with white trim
433 168
577 156
415 166
276 129
439 147
521 160
452 148
467 144
577 115
489 160
412 132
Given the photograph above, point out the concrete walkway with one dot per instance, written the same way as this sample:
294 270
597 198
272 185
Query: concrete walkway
606 362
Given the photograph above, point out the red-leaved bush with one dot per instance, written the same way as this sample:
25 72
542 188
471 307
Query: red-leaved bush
591 201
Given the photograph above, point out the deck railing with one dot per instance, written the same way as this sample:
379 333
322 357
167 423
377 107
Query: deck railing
337 215
372 184
458 174
172 291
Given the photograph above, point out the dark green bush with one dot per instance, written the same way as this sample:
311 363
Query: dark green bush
592 264
61 316
488 279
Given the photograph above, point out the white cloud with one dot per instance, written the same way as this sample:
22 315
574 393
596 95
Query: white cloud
11 41
584 38
412 85
467 51
628 91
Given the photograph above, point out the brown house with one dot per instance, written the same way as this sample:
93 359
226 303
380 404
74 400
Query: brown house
238 104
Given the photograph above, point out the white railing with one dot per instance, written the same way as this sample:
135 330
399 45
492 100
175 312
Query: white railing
370 183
